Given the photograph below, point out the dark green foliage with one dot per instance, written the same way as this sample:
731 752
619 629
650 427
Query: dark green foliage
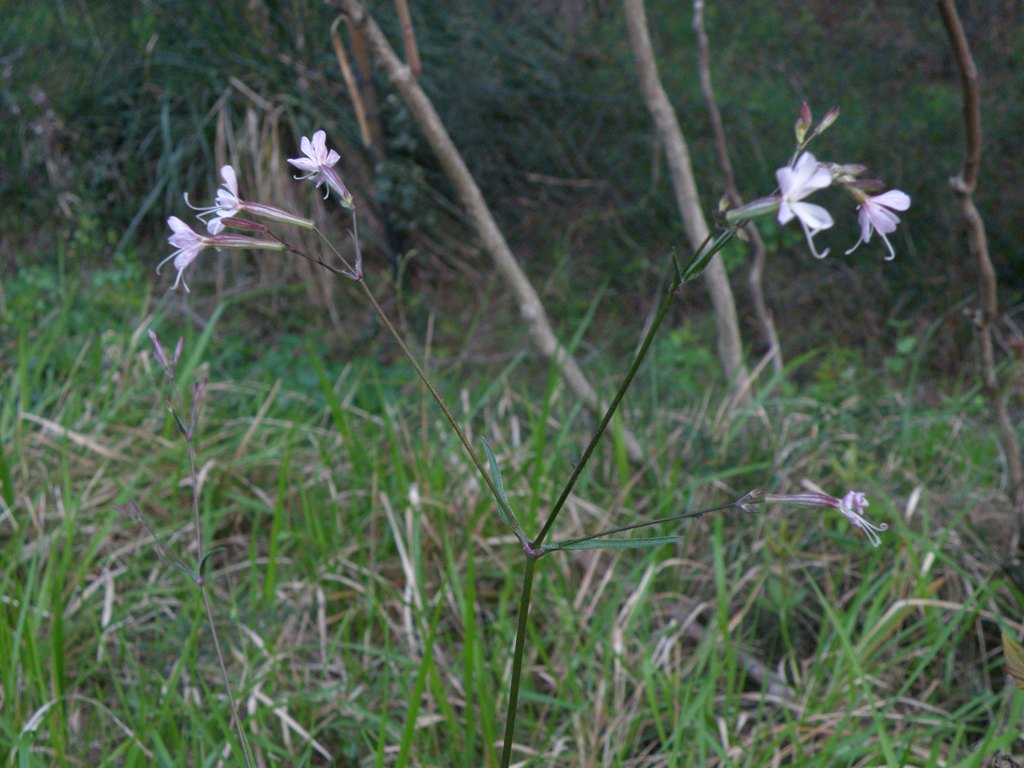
110 109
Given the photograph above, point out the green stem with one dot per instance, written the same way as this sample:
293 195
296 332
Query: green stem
355 273
436 395
606 419
634 526
694 267
517 662
227 680
700 258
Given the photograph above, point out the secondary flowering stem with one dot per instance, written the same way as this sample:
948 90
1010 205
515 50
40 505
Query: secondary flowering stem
175 404
738 504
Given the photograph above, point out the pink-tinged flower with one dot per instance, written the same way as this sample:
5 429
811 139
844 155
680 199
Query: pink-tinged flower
875 214
318 165
229 205
189 245
852 505
795 184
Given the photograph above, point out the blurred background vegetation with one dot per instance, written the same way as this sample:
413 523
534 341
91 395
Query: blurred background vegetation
112 110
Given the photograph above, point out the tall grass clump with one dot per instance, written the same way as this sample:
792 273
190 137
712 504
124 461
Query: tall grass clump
715 649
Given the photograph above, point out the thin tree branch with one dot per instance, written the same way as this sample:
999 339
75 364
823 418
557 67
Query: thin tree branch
670 135
530 306
753 234
964 185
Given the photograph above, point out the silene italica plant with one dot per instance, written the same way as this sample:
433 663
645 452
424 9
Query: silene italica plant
265 225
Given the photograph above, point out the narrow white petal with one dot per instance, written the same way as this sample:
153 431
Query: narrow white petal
894 198
303 164
804 169
319 146
884 220
813 216
179 226
230 180
821 178
784 178
866 227
785 213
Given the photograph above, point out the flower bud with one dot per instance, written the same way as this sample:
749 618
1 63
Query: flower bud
160 354
826 122
237 223
803 123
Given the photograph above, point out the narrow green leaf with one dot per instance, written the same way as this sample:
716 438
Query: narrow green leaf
1014 655
6 484
333 403
198 347
504 508
701 259
653 541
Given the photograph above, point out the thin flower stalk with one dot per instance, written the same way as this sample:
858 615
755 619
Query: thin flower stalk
195 575
707 249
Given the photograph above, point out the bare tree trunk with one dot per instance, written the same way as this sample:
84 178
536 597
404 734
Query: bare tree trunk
964 185
730 346
493 241
757 246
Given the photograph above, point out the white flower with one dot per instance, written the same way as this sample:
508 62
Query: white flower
229 205
318 165
189 245
876 214
852 506
795 184
228 202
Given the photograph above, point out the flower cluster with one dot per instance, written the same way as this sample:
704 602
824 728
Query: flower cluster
318 164
804 175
